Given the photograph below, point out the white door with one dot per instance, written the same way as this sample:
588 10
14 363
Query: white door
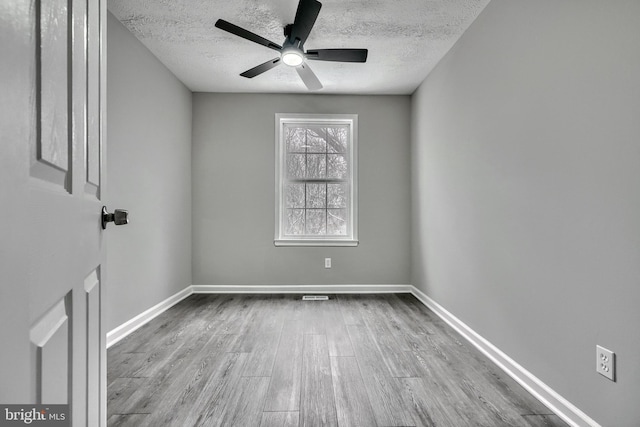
52 178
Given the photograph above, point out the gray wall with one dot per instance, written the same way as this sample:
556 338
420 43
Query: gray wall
233 193
526 204
149 173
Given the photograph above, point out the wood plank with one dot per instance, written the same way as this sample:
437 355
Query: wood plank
384 391
231 315
378 355
314 317
180 397
427 320
337 335
352 402
262 354
317 406
382 324
210 319
121 363
401 364
280 419
245 408
119 394
168 327
491 390
166 353
367 352
259 335
147 364
416 322
212 401
370 309
387 403
466 402
151 395
264 317
496 406
349 315
126 420
428 406
285 384
535 420
407 329
270 318
501 387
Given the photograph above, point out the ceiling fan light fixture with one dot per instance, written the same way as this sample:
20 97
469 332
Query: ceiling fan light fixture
292 57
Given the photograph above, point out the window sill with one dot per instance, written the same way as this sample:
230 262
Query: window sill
325 243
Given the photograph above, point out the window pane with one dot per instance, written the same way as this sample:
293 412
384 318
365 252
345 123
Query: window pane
295 221
337 139
316 142
316 223
337 195
316 195
295 196
316 166
337 222
296 166
295 139
337 165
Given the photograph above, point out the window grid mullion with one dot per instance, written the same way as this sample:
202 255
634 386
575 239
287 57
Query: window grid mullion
326 175
321 180
306 175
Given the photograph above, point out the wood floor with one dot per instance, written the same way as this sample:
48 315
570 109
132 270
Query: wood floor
274 360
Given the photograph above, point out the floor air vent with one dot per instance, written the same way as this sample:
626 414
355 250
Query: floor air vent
315 298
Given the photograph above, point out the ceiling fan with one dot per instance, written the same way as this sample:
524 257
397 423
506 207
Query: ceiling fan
292 51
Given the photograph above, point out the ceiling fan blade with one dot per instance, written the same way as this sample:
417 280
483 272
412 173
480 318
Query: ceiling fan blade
245 34
340 55
308 77
306 16
261 68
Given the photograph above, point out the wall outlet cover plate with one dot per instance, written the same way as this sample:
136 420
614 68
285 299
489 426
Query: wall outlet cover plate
606 362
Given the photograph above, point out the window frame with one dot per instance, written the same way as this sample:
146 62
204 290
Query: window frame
351 238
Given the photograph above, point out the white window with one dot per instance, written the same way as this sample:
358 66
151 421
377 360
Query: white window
316 180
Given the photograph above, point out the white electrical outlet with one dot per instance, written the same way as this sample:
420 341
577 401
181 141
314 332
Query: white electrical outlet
327 263
606 363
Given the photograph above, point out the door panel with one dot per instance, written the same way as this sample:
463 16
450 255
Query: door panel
50 355
52 48
51 172
51 154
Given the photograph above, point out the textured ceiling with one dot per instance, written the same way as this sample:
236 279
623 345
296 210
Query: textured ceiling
405 38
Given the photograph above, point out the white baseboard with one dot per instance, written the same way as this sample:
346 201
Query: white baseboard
545 394
301 289
128 327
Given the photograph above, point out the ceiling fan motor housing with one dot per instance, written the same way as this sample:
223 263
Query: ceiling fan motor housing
287 30
288 41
